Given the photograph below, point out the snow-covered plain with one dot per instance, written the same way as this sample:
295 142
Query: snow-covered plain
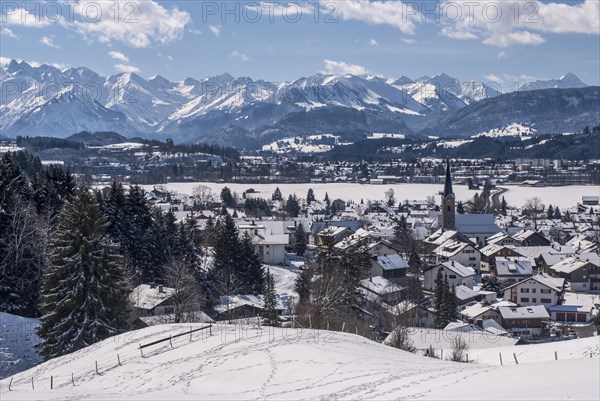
563 197
267 363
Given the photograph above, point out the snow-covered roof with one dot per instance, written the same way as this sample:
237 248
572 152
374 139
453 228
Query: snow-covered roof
458 268
478 309
569 265
463 293
450 248
512 267
476 224
148 297
524 312
392 262
228 302
380 285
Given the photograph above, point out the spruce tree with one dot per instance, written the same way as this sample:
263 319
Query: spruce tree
503 207
251 272
557 215
227 197
439 299
550 213
139 220
292 206
310 196
269 312
300 240
277 196
84 293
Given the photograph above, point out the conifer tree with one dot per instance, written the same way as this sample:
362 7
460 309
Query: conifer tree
300 240
292 206
310 196
439 299
557 215
550 213
503 207
84 293
277 196
139 220
251 272
269 313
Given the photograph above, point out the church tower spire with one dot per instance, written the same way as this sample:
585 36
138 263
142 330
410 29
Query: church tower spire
448 202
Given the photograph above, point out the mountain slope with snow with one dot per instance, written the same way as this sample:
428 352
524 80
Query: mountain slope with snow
272 363
235 111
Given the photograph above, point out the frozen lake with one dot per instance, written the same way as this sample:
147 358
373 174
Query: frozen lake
564 197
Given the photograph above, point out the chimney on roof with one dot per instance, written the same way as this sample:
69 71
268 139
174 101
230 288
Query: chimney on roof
160 289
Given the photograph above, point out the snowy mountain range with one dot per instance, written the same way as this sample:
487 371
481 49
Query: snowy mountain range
235 111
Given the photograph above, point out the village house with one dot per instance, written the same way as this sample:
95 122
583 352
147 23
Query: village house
531 238
464 253
243 306
150 300
525 321
490 252
513 270
456 273
582 274
392 267
540 289
480 311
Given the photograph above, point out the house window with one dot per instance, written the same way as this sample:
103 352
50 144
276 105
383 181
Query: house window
534 300
546 300
545 291
533 290
452 276
524 299
524 289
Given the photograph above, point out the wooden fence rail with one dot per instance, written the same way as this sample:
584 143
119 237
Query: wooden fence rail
175 336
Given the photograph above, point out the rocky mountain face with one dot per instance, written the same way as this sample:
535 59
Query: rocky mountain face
242 112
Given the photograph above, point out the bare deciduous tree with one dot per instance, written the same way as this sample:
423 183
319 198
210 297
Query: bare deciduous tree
187 298
532 209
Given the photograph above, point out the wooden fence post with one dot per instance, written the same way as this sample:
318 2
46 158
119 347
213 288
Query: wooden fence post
141 351
171 341
32 386
51 382
343 327
516 360
500 353
555 356
73 379
10 383
441 353
97 368
190 333
119 360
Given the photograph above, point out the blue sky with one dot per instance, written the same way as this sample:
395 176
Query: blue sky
490 41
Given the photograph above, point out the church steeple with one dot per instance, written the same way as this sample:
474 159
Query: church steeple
448 185
448 202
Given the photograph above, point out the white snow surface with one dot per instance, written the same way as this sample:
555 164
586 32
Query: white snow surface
17 338
245 362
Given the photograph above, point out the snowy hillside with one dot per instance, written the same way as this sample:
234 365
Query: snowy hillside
264 363
17 338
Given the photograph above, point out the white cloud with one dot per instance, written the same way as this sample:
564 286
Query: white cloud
142 23
21 17
505 23
343 68
239 56
519 37
8 32
502 55
493 78
408 41
127 68
373 42
392 12
194 31
48 41
170 58
215 29
118 56
4 61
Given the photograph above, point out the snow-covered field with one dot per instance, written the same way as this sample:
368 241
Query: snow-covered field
17 338
564 197
294 364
